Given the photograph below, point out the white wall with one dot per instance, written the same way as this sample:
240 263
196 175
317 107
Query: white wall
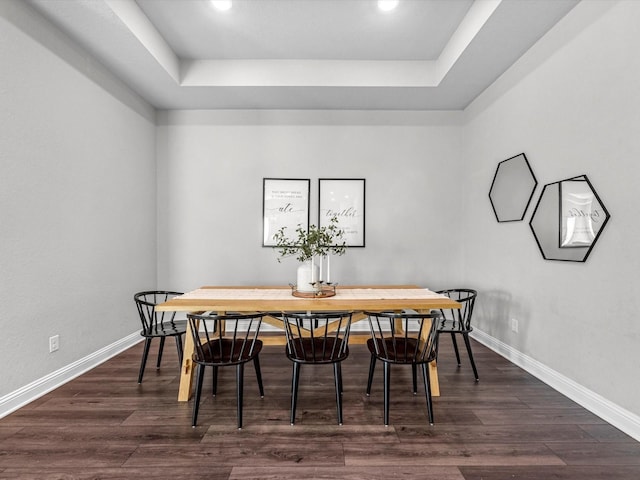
77 201
211 166
572 104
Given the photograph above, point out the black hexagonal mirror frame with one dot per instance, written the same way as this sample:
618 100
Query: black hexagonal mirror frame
512 189
568 219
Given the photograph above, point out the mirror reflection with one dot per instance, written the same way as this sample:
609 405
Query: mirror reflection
580 214
568 219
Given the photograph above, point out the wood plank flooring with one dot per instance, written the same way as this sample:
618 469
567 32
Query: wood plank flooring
103 425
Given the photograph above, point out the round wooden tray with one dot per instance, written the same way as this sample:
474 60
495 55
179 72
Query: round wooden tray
324 292
320 294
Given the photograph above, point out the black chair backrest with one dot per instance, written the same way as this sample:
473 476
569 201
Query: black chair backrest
317 337
225 339
459 319
404 337
154 322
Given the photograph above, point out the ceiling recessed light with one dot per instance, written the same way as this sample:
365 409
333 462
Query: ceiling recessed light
222 5
387 5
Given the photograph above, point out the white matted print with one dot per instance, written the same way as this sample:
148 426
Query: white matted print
344 198
285 203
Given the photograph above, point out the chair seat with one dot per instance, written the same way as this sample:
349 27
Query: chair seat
317 350
396 350
167 329
452 326
228 352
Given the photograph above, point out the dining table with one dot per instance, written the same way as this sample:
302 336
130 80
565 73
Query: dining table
273 301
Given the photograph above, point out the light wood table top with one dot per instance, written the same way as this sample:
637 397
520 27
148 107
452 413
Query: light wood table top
270 299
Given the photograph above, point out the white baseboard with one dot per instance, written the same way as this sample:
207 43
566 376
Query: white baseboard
18 398
617 416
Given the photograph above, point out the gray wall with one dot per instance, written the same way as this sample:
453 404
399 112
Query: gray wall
211 166
77 201
572 105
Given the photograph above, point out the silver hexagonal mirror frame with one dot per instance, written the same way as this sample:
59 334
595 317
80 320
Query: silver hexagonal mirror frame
512 189
568 219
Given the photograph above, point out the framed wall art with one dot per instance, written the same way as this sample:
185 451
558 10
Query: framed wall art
285 203
343 198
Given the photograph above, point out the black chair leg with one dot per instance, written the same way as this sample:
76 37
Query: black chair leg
145 354
294 390
427 391
180 350
414 373
339 366
196 400
240 391
215 381
256 364
473 364
372 367
160 350
337 376
387 385
455 347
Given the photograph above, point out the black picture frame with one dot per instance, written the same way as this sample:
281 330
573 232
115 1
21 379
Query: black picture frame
344 198
285 203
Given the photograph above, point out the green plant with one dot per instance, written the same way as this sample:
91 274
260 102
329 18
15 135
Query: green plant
317 241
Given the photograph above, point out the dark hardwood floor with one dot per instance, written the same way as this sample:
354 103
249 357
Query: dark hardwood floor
103 425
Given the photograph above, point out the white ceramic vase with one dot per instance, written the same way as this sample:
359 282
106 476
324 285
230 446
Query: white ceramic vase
306 276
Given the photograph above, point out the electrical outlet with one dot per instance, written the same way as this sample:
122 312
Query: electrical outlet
514 325
54 343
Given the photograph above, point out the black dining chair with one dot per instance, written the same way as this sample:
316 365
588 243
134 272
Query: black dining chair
224 341
405 339
317 338
458 321
158 324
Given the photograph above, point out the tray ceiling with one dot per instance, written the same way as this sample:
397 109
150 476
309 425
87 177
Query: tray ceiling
306 54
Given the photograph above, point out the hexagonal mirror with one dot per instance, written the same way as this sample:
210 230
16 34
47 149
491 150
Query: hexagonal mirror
568 219
512 189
